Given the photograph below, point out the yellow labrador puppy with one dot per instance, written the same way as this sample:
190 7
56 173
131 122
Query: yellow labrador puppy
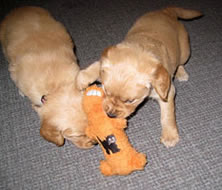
44 68
144 63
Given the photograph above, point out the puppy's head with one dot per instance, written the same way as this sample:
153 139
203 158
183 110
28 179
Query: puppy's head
62 117
128 76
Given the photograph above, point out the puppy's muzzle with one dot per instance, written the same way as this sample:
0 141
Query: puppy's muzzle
114 110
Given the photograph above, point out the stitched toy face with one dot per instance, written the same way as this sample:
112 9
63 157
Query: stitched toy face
93 96
94 93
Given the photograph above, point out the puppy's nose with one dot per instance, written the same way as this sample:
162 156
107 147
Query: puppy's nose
111 115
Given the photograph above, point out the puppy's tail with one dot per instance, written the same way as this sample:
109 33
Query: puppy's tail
182 13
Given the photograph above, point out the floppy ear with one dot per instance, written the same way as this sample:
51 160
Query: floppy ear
105 63
51 134
160 80
78 138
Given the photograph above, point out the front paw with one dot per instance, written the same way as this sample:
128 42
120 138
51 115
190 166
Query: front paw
88 76
170 137
82 82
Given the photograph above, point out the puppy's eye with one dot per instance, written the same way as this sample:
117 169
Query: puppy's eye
129 101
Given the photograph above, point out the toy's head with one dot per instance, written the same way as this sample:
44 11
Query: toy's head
93 98
93 107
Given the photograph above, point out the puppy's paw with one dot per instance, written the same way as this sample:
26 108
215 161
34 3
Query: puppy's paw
181 74
170 137
182 78
83 81
88 76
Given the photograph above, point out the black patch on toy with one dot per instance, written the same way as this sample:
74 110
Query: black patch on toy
109 144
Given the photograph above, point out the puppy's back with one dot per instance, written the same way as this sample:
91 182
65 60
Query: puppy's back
26 29
161 32
39 51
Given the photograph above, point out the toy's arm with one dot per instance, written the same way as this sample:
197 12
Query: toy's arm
89 132
119 123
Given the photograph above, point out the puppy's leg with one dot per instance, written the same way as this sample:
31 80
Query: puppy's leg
78 138
88 75
170 134
181 74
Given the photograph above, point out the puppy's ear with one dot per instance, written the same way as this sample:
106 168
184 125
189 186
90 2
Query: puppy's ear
105 62
51 134
87 76
160 80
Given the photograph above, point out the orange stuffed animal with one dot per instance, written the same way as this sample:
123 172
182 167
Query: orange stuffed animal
121 157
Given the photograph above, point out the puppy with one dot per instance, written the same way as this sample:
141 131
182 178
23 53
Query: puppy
144 64
44 68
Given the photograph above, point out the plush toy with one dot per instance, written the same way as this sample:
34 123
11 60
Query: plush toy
120 157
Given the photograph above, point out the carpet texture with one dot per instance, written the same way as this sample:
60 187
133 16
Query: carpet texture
29 162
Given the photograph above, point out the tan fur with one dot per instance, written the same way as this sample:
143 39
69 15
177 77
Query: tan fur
41 62
143 64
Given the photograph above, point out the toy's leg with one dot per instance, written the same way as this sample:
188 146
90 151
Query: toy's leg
138 161
105 168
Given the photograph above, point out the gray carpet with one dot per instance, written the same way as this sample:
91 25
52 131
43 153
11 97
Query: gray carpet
29 162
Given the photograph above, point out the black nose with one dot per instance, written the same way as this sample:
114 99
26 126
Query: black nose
111 115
